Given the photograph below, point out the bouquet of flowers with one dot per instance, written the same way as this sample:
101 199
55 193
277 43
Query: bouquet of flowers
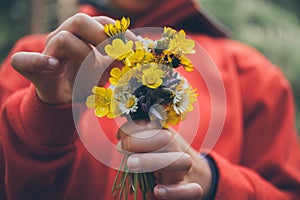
144 86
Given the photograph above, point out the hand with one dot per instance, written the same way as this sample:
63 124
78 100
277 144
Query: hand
180 172
53 72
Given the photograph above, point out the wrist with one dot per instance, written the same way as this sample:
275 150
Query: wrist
53 97
201 173
47 125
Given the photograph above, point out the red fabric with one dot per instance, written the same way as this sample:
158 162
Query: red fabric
179 14
161 17
257 154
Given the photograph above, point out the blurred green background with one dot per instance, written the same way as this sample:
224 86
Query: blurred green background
271 26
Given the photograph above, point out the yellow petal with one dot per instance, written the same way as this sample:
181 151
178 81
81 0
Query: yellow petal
91 101
125 22
129 45
118 24
109 92
138 45
115 72
109 50
173 120
98 90
158 73
113 81
101 111
189 68
119 50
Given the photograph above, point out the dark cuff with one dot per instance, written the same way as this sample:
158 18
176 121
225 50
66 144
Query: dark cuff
215 177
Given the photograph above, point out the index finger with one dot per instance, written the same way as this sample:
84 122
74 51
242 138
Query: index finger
84 27
135 126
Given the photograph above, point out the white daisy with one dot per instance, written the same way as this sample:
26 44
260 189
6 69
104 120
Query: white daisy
181 102
182 98
147 43
127 104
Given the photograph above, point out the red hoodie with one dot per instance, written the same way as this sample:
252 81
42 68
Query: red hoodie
256 156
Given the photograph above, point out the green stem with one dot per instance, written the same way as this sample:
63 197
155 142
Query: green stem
118 174
135 183
126 182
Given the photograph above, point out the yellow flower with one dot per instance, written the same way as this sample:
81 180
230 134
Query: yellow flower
126 77
186 63
172 117
169 32
180 44
119 27
192 97
139 56
116 74
118 49
101 100
152 77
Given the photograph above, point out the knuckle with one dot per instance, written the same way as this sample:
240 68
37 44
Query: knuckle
62 38
50 36
166 136
187 160
124 131
35 60
104 19
79 19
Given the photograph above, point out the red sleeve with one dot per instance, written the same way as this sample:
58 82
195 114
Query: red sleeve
270 166
2 172
11 80
38 144
40 154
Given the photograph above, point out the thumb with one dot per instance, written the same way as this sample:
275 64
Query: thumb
29 62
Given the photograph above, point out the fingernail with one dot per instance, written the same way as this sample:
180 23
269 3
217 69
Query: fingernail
133 162
53 62
161 192
119 147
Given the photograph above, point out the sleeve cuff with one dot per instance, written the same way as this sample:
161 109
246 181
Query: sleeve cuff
215 177
232 182
48 125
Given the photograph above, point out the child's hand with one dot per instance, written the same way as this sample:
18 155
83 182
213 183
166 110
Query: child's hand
179 171
53 72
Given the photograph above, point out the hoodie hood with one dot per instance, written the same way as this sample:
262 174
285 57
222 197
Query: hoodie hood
179 14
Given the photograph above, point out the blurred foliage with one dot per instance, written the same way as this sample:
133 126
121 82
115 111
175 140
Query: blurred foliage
14 23
271 26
